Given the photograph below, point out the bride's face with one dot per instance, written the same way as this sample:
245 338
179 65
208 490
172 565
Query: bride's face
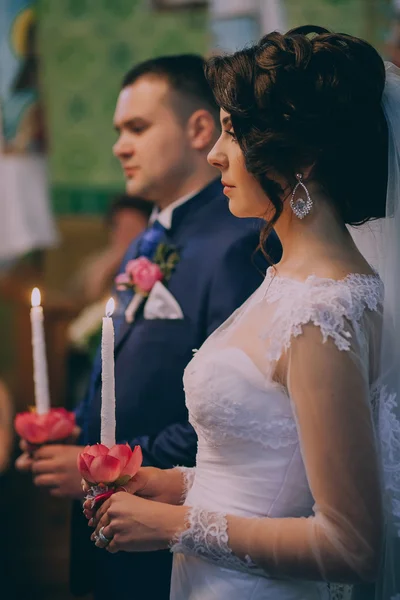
246 196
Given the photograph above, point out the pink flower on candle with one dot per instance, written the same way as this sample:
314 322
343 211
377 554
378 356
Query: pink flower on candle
117 465
55 425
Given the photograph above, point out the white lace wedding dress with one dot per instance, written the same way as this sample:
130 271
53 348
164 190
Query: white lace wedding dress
272 395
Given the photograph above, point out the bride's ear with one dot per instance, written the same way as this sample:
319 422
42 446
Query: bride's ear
307 172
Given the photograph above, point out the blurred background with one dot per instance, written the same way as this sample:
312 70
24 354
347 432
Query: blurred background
64 220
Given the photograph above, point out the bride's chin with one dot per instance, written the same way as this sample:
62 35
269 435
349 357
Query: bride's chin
240 209
243 210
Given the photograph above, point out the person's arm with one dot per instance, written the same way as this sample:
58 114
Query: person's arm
174 445
341 542
6 428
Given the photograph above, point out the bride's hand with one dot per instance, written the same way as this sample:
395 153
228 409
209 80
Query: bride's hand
133 524
150 483
156 484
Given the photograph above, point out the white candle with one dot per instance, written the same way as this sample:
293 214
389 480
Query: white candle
107 436
40 377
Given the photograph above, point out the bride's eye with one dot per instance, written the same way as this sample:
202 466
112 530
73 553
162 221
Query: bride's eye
231 134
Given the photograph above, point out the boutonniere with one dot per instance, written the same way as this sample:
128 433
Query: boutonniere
141 274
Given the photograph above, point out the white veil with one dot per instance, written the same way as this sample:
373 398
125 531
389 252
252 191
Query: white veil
380 244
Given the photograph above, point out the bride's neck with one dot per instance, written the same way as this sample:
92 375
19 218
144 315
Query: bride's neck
319 239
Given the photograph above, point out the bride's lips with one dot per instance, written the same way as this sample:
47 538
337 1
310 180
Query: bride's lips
227 187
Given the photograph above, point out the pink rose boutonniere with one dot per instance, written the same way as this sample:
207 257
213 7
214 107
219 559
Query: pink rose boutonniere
141 274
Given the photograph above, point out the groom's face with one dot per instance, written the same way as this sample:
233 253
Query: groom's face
152 146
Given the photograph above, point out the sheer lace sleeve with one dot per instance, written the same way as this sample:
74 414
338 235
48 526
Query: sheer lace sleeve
188 474
327 367
329 389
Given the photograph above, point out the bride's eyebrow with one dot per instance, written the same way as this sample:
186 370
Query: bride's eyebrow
226 122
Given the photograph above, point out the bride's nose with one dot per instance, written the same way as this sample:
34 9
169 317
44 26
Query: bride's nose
217 158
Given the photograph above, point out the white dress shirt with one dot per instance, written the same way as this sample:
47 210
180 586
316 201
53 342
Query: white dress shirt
164 216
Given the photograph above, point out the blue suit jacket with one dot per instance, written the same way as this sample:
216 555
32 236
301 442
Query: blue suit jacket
216 273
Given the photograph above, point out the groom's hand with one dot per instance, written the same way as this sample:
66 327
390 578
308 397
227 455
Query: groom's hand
24 462
54 467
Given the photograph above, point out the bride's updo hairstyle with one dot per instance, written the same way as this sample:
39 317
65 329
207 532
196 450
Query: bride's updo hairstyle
310 97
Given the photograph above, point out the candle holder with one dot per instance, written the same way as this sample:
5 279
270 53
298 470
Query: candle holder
36 429
107 469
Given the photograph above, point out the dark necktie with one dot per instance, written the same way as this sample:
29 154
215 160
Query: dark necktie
150 240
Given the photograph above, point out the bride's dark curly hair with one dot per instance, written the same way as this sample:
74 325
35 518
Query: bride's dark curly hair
310 97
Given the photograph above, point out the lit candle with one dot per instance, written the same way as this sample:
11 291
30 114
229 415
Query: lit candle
107 436
40 377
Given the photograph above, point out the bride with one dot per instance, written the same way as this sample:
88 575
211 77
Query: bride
296 490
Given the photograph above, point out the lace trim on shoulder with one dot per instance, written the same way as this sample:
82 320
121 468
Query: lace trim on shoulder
207 536
326 303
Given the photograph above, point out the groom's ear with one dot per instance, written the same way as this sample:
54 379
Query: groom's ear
201 129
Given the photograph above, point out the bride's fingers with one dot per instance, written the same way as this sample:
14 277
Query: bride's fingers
132 486
96 518
87 505
88 514
85 486
101 525
138 483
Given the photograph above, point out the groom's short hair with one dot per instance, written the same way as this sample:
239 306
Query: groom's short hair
184 74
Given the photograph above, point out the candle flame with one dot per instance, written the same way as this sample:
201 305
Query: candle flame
110 307
35 297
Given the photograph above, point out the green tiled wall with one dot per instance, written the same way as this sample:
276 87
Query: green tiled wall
86 46
338 15
363 18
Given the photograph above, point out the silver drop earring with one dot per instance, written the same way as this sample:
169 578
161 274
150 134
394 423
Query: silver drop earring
301 207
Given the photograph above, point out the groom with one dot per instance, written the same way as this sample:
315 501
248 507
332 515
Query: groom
166 122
